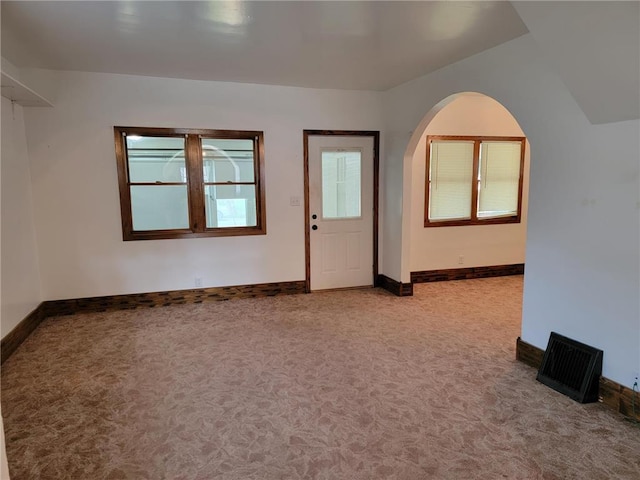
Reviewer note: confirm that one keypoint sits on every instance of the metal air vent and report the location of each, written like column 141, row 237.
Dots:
column 571, row 368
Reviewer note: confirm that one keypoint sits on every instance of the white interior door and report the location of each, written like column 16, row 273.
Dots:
column 341, row 211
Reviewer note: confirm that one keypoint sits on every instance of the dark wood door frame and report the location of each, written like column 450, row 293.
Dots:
column 376, row 179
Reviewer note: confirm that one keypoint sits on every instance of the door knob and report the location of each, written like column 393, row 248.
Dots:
column 315, row 227
column 314, row 216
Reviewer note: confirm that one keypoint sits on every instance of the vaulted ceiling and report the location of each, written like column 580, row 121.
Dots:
column 347, row 45
column 593, row 46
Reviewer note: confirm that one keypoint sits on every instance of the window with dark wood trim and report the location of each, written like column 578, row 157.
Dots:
column 473, row 180
column 184, row 183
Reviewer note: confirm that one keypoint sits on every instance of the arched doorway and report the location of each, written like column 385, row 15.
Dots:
column 465, row 251
column 467, row 114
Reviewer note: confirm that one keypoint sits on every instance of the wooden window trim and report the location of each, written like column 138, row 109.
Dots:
column 195, row 183
column 474, row 220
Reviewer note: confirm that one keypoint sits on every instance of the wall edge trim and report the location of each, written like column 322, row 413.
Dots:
column 467, row 273
column 397, row 288
column 18, row 334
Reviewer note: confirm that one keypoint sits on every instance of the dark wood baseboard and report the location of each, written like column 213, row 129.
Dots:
column 612, row 394
column 527, row 353
column 393, row 286
column 52, row 308
column 467, row 273
column 174, row 297
column 406, row 289
column 20, row 332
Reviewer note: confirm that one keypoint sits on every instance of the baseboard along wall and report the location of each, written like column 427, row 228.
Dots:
column 467, row 273
column 397, row 288
column 444, row 275
column 53, row 308
column 612, row 394
column 21, row 331
column 174, row 297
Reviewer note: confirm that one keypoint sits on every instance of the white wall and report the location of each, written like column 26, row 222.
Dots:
column 480, row 245
column 76, row 192
column 20, row 286
column 583, row 260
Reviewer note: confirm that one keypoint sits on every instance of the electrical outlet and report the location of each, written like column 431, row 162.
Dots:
column 460, row 259
column 198, row 282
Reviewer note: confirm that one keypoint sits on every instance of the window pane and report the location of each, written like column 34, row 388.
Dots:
column 230, row 205
column 161, row 207
column 341, row 184
column 499, row 179
column 156, row 159
column 227, row 160
column 450, row 180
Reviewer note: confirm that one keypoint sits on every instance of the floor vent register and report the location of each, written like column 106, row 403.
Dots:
column 571, row 368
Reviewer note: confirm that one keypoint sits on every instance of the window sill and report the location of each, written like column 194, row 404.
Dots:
column 174, row 234
column 461, row 223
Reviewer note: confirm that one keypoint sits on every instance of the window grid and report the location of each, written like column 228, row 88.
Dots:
column 191, row 174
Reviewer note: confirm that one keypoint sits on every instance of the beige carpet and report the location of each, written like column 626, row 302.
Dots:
column 341, row 385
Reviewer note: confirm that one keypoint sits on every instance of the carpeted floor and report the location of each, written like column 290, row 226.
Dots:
column 339, row 385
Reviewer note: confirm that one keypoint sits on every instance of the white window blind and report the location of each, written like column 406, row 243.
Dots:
column 450, row 180
column 498, row 179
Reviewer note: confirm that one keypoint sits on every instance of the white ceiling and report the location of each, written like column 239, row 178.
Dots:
column 595, row 48
column 347, row 45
